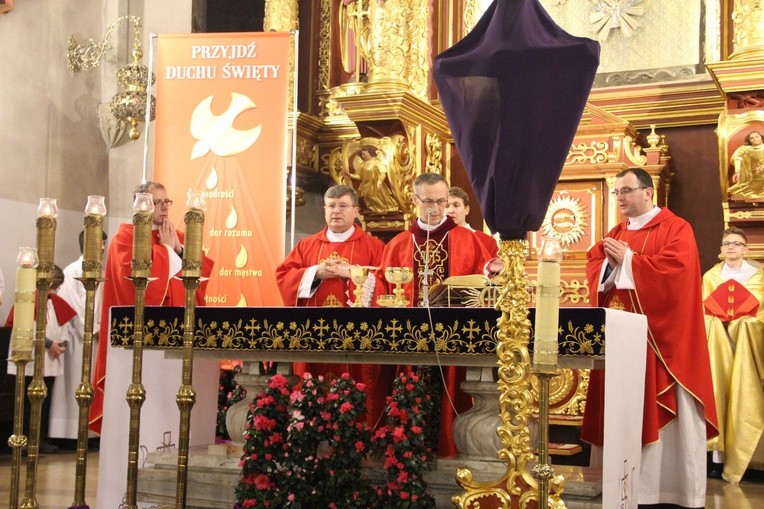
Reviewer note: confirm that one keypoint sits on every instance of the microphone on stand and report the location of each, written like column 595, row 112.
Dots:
column 426, row 271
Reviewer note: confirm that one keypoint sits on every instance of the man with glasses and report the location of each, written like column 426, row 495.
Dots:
column 109, row 414
column 162, row 290
column 317, row 273
column 733, row 293
column 649, row 264
column 437, row 248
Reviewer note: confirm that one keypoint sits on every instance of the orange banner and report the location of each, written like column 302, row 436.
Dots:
column 221, row 127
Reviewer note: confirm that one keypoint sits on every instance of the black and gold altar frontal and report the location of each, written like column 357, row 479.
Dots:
column 457, row 335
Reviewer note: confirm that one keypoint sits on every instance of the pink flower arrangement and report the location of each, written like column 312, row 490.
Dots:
column 305, row 446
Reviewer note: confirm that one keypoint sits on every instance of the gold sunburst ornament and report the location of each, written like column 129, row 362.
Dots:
column 566, row 219
column 607, row 15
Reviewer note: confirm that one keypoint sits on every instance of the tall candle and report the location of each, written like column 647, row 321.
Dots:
column 93, row 238
column 194, row 220
column 143, row 208
column 47, row 211
column 23, row 305
column 547, row 305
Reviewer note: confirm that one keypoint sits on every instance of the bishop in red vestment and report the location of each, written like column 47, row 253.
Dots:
column 436, row 243
column 649, row 265
column 316, row 273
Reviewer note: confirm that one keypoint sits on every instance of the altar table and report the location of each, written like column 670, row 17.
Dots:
column 425, row 336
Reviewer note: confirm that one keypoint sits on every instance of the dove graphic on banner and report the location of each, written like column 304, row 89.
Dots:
column 216, row 132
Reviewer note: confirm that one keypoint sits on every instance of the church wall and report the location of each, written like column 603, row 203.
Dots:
column 49, row 137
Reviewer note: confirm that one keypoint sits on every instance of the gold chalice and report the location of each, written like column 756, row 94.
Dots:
column 399, row 276
column 358, row 275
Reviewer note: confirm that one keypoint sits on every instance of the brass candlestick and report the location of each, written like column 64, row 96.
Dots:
column 358, row 276
column 186, row 397
column 46, row 239
column 136, row 394
column 23, row 327
column 95, row 210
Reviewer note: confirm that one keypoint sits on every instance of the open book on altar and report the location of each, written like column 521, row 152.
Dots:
column 471, row 290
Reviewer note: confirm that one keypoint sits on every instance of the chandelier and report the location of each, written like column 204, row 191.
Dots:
column 129, row 105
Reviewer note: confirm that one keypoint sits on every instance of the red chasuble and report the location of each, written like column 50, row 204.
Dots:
column 453, row 251
column 489, row 243
column 119, row 291
column 667, row 278
column 359, row 249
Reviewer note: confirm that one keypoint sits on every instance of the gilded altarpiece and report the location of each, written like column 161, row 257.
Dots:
column 379, row 128
column 741, row 125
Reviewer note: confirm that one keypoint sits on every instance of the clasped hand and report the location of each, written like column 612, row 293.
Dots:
column 329, row 269
column 615, row 249
column 169, row 236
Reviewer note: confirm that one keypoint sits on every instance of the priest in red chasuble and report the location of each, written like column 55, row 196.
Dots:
column 110, row 414
column 317, row 273
column 162, row 290
column 649, row 264
column 733, row 300
column 437, row 247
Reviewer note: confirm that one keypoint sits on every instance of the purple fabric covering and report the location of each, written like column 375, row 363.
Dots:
column 513, row 91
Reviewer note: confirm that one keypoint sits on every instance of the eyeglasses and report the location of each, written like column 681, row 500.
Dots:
column 442, row 202
column 159, row 203
column 339, row 206
column 733, row 244
column 625, row 191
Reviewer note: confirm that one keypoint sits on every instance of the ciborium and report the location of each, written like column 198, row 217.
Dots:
column 399, row 276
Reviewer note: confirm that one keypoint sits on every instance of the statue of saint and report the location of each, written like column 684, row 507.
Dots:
column 748, row 160
column 374, row 188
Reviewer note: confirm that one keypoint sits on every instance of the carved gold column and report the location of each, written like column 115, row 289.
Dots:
column 399, row 43
column 517, row 488
column 748, row 29
column 282, row 16
column 46, row 239
column 470, row 15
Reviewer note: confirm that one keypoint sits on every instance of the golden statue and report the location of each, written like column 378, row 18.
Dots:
column 748, row 160
column 354, row 17
column 383, row 170
column 374, row 188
